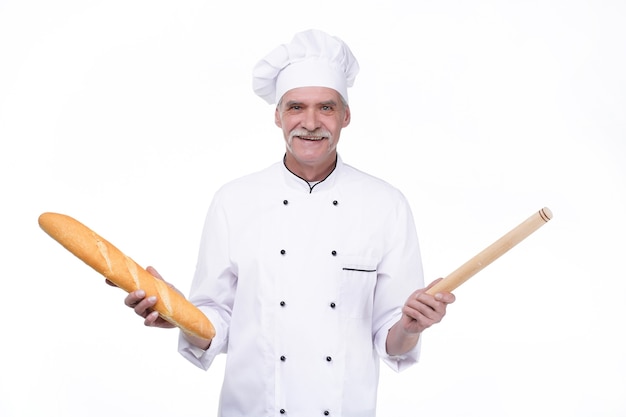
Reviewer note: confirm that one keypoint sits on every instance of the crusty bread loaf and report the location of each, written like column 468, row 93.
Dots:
column 125, row 273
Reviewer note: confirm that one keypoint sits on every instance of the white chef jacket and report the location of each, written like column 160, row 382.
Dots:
column 302, row 285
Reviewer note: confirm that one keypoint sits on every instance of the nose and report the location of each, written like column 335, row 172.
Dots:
column 310, row 120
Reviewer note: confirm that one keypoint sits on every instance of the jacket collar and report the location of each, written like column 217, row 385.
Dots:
column 299, row 183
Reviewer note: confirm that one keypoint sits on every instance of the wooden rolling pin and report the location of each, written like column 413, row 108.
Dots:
column 492, row 252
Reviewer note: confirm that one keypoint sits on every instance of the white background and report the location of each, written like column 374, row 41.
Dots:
column 127, row 115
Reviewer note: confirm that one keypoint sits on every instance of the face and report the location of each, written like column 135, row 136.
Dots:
column 311, row 119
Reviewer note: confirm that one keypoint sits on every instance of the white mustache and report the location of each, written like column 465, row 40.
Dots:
column 315, row 134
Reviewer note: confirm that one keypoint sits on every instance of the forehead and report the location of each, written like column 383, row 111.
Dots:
column 311, row 95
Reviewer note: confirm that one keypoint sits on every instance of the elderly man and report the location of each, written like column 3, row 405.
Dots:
column 309, row 270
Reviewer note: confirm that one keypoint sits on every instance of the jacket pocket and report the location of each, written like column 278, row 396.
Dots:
column 358, row 282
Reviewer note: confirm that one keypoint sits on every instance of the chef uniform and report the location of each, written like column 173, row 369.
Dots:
column 302, row 282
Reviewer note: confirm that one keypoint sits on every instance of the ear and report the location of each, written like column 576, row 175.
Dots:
column 277, row 120
column 346, row 117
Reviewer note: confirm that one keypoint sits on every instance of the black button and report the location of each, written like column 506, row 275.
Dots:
column 334, row 253
column 282, row 358
column 282, row 252
column 282, row 303
column 335, row 202
column 328, row 359
column 333, row 305
column 285, row 202
column 326, row 413
column 282, row 411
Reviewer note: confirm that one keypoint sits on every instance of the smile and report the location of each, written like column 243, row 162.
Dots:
column 312, row 138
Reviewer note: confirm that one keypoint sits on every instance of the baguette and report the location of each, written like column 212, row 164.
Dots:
column 121, row 270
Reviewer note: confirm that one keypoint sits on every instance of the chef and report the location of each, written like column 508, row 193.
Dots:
column 309, row 270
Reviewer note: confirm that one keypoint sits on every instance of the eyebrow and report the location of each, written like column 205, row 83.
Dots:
column 300, row 103
column 292, row 103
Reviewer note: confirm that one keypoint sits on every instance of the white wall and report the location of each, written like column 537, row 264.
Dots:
column 129, row 114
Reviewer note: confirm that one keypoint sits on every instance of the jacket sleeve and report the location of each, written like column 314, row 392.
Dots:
column 400, row 273
column 213, row 286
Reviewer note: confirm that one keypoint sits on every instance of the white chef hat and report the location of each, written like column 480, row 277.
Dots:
column 312, row 59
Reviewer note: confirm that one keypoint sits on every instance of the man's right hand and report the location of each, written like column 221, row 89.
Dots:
column 142, row 305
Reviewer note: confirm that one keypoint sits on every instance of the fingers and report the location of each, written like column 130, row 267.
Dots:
column 138, row 301
column 154, row 273
column 151, row 318
column 423, row 310
column 144, row 305
column 133, row 298
column 426, row 306
column 445, row 297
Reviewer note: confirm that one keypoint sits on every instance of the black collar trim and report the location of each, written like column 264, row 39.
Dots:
column 307, row 182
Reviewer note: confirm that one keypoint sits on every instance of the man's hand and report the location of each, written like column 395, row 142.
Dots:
column 142, row 305
column 421, row 310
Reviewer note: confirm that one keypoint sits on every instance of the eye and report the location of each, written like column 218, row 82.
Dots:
column 327, row 108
